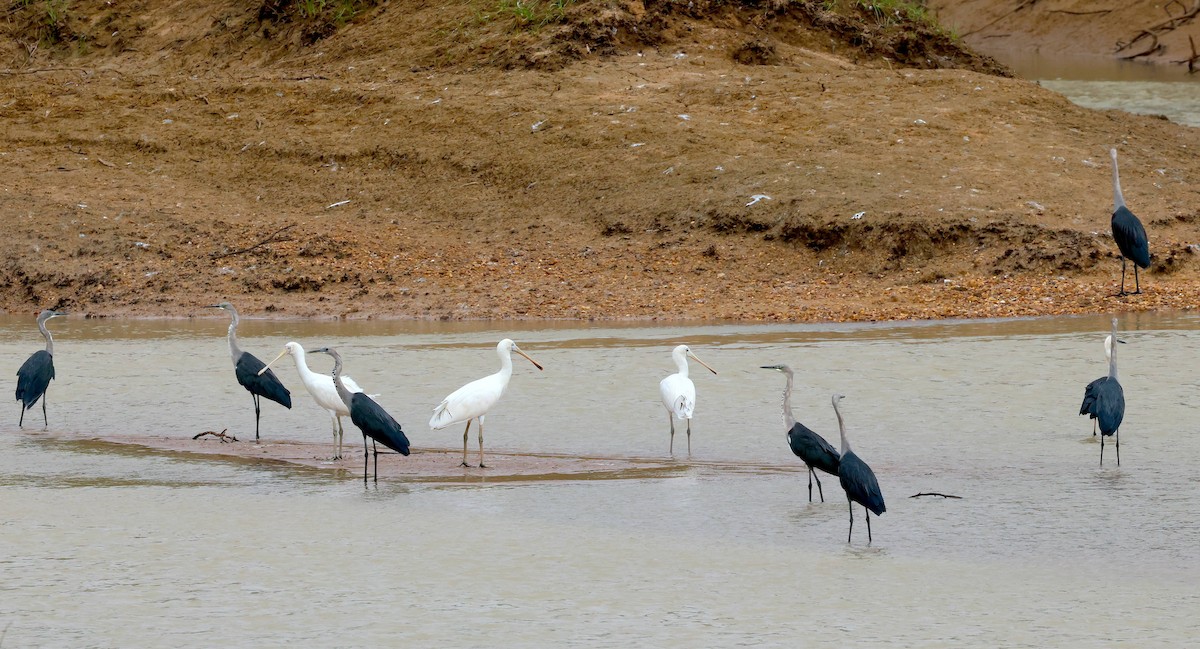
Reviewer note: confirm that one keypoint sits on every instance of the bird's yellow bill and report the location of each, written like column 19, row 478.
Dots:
column 695, row 358
column 535, row 363
column 268, row 365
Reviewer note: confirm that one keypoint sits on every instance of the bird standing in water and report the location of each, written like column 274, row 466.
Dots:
column 33, row 379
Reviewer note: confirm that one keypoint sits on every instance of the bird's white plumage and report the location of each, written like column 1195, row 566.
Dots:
column 321, row 387
column 679, row 393
column 677, row 390
column 473, row 400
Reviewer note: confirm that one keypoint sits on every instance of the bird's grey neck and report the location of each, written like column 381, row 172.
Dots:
column 788, row 419
column 49, row 338
column 1118, row 198
column 841, row 429
column 343, row 393
column 1112, row 358
column 234, row 351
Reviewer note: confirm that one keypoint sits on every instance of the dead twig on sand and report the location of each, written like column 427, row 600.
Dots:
column 1152, row 32
column 934, row 493
column 221, row 436
column 1193, row 59
column 272, row 238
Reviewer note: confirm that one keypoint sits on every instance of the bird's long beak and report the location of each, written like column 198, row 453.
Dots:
column 704, row 364
column 535, row 363
column 268, row 365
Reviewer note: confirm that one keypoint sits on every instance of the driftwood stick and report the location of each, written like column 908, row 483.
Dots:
column 272, row 238
column 934, row 493
column 221, row 435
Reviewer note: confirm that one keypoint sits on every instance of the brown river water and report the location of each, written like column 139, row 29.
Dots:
column 105, row 545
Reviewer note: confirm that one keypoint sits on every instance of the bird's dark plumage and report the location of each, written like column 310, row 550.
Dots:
column 34, row 377
column 1108, row 405
column 813, row 449
column 860, row 484
column 264, row 385
column 375, row 422
column 1130, row 236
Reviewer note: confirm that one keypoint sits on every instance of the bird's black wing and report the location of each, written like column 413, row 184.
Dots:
column 265, row 385
column 34, row 377
column 813, row 449
column 1110, row 406
column 372, row 419
column 860, row 484
column 1130, row 236
column 1088, row 407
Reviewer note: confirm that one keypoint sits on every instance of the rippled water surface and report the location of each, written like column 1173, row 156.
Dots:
column 107, row 546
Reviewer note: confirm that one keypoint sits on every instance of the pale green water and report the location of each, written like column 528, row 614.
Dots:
column 105, row 547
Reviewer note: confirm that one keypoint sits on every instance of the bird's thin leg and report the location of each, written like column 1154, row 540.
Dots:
column 689, row 436
column 44, row 419
column 810, row 477
column 1118, row 447
column 671, row 446
column 1122, row 291
column 375, row 452
column 256, row 415
column 1137, row 285
column 365, row 459
column 341, row 435
column 814, row 474
column 867, row 513
column 850, row 534
column 480, row 435
column 21, row 423
column 1102, row 450
column 465, row 431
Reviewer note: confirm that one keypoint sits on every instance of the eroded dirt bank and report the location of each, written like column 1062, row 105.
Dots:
column 416, row 163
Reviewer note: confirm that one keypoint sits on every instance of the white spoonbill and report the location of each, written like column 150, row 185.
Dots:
column 323, row 391
column 473, row 400
column 679, row 393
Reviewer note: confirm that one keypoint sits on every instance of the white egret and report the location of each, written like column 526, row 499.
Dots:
column 679, row 393
column 323, row 391
column 473, row 400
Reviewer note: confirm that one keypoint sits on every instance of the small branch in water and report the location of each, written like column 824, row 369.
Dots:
column 272, row 238
column 221, row 435
column 934, row 493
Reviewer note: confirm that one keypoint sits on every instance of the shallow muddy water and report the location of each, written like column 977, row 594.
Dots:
column 104, row 545
column 1106, row 84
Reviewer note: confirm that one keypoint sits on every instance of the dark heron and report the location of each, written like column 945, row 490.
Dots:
column 323, row 391
column 1128, row 232
column 1089, row 392
column 473, row 400
column 1107, row 401
column 248, row 369
column 37, row 371
column 679, row 393
column 857, row 479
column 806, row 444
column 370, row 417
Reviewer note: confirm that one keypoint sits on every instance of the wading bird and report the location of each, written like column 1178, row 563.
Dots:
column 857, row 479
column 1108, row 401
column 473, row 400
column 1128, row 232
column 248, row 369
column 37, row 371
column 806, row 444
column 1089, row 392
column 370, row 417
column 323, row 391
column 679, row 393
